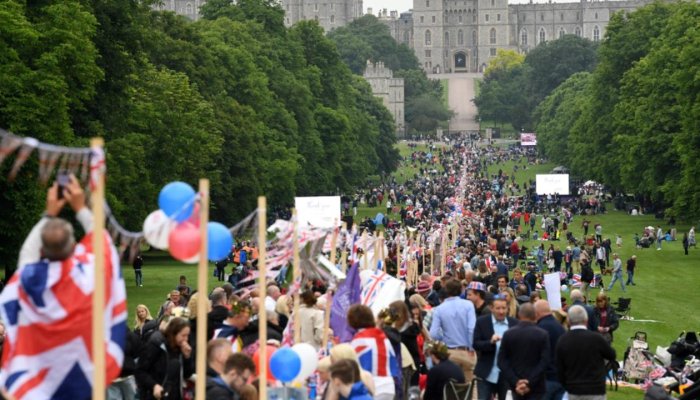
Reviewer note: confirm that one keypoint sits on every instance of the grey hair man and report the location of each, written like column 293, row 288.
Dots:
column 577, row 299
column 580, row 358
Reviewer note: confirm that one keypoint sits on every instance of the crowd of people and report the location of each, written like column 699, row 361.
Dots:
column 477, row 317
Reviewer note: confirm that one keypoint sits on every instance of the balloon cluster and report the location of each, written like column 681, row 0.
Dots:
column 175, row 226
column 294, row 364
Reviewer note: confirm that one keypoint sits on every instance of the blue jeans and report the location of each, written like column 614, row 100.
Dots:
column 555, row 391
column 139, row 277
column 617, row 276
column 630, row 277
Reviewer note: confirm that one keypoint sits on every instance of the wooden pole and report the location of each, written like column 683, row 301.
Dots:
column 297, row 277
column 381, row 251
column 365, row 248
column 262, row 271
column 99, row 384
column 344, row 252
column 375, row 256
column 202, row 292
column 329, row 297
column 398, row 256
column 443, row 252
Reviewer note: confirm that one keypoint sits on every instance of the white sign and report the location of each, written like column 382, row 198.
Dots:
column 552, row 285
column 552, row 184
column 321, row 212
column 528, row 139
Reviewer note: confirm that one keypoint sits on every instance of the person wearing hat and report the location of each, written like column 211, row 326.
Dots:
column 443, row 371
column 476, row 293
column 487, row 341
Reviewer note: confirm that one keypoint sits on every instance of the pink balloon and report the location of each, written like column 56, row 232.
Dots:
column 184, row 241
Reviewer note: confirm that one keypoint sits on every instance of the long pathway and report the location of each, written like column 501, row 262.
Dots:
column 461, row 93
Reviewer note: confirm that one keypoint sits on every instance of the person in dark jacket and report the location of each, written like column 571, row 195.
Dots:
column 546, row 321
column 138, row 264
column 524, row 356
column 165, row 362
column 580, row 358
column 443, row 371
column 218, row 313
column 577, row 299
column 488, row 332
column 237, row 371
column 605, row 317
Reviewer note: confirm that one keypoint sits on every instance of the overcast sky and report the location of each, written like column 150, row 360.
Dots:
column 405, row 5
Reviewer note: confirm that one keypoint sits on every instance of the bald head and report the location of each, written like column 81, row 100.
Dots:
column 57, row 240
column 527, row 313
column 542, row 309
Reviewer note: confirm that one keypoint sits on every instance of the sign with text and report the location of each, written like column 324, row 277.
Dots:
column 321, row 211
column 528, row 139
column 552, row 286
column 552, row 184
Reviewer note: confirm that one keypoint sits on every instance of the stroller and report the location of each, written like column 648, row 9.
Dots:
column 639, row 362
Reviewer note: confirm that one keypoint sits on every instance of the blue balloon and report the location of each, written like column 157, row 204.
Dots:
column 174, row 198
column 285, row 364
column 219, row 241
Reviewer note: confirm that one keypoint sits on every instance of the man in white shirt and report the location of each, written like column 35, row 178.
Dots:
column 273, row 293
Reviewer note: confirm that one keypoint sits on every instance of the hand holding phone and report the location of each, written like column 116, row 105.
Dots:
column 63, row 179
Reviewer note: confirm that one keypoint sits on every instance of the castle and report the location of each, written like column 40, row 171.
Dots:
column 457, row 35
column 389, row 89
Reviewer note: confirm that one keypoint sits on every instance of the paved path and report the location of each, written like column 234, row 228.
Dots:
column 460, row 96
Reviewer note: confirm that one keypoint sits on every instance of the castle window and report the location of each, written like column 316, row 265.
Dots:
column 460, row 18
column 492, row 36
column 578, row 16
column 596, row 15
column 492, row 51
column 474, row 38
column 577, row 32
column 493, row 3
column 542, row 17
column 421, row 19
column 543, row 35
column 460, row 37
column 428, row 38
column 332, row 19
column 486, row 17
column 316, row 7
column 433, row 19
column 405, row 37
column 523, row 37
column 188, row 9
column 447, row 38
column 498, row 17
column 428, row 54
column 561, row 17
column 562, row 32
column 474, row 18
column 596, row 34
column 332, row 6
column 427, row 3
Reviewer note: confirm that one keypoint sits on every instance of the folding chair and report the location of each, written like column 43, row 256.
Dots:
column 623, row 307
column 458, row 391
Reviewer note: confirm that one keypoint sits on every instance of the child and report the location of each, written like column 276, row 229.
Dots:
column 618, row 241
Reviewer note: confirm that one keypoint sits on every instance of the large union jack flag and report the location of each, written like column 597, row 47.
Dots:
column 375, row 353
column 47, row 309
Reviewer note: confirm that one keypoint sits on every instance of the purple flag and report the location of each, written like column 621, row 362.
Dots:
column 347, row 295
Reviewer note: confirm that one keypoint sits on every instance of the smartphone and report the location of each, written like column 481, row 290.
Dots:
column 63, row 179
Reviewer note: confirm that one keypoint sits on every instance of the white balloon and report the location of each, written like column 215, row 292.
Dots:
column 157, row 228
column 309, row 360
column 193, row 260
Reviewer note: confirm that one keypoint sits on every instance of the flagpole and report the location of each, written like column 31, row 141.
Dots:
column 262, row 271
column 344, row 252
column 398, row 256
column 296, row 277
column 202, row 291
column 329, row 297
column 99, row 384
column 365, row 248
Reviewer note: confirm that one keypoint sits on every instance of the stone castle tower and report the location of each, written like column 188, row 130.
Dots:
column 390, row 90
column 330, row 14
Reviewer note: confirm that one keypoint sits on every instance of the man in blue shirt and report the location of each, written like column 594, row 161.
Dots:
column 488, row 332
column 453, row 323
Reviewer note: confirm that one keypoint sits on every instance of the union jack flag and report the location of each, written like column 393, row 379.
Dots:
column 375, row 284
column 47, row 309
column 375, row 353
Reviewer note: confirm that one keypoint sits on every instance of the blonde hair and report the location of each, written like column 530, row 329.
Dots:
column 513, row 304
column 281, row 307
column 343, row 351
column 324, row 364
column 418, row 300
column 138, row 323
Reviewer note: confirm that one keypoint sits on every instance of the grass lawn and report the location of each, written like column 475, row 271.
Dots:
column 445, row 93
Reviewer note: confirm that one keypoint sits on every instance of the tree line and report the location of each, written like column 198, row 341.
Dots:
column 633, row 121
column 235, row 97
